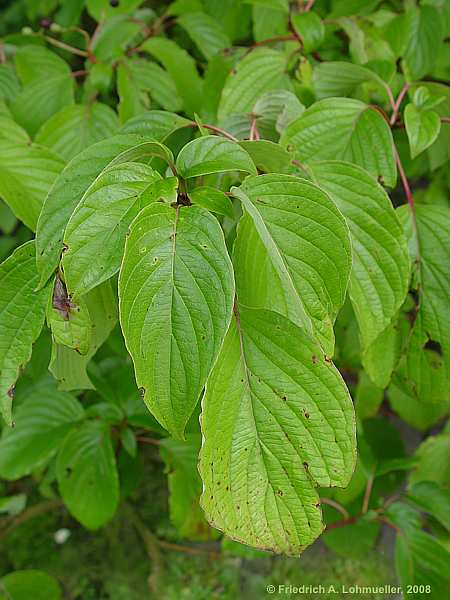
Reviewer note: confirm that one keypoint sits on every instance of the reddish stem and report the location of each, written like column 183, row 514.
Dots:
column 309, row 5
column 216, row 130
column 398, row 102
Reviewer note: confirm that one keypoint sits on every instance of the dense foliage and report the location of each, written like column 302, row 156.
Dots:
column 225, row 244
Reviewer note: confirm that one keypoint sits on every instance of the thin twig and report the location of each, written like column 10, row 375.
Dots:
column 146, row 440
column 343, row 523
column 336, row 506
column 28, row 514
column 309, row 5
column 272, row 40
column 398, row 102
column 188, row 550
column 367, row 493
column 151, row 544
column 66, row 47
column 445, row 119
column 80, row 73
column 216, row 130
column 254, row 132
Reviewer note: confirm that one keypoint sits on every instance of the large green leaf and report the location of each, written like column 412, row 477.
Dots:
column 267, row 156
column 95, row 234
column 74, row 128
column 338, row 78
column 434, row 459
column 412, row 410
column 277, row 421
column 22, row 585
column 380, row 271
column 103, row 9
column 68, row 190
column 205, row 32
column 424, row 38
column 185, row 487
column 69, row 366
column 22, row 313
column 69, row 322
column 9, row 84
column 292, row 252
column 27, row 172
column 421, row 560
column 422, row 128
column 176, row 293
column 310, row 29
column 425, row 369
column 155, row 124
column 47, row 86
column 344, row 129
column 181, row 67
column 87, row 474
column 213, row 154
column 259, row 71
column 433, row 499
column 42, row 422
column 137, row 77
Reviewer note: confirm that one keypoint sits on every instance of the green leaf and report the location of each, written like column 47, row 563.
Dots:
column 292, row 253
column 113, row 38
column 338, row 78
column 42, row 422
column 11, row 131
column 94, row 239
column 150, row 77
column 439, row 152
column 102, row 9
column 213, row 200
column 69, row 323
column 67, row 365
column 432, row 499
column 420, row 559
column 281, row 5
column 87, row 475
column 181, row 67
column 368, row 397
column 412, row 410
column 310, row 29
column 27, row 172
column 434, row 460
column 76, row 127
column 380, row 271
column 176, row 293
column 344, row 129
column 13, row 505
column 47, row 87
column 424, row 40
column 353, row 541
column 267, row 441
column 425, row 369
column 212, row 154
column 422, row 128
column 185, row 487
column 267, row 156
column 128, row 441
column 68, row 190
column 23, row 585
column 205, row 32
column 9, row 84
column 275, row 110
column 155, row 124
column 22, row 313
column 261, row 70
